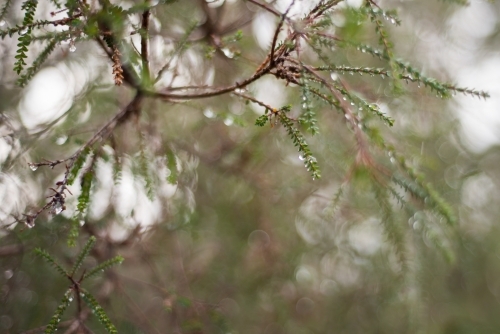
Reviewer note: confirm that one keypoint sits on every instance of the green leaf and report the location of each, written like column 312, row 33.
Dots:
column 98, row 312
column 77, row 166
column 103, row 266
column 56, row 318
column 261, row 120
column 83, row 254
column 47, row 257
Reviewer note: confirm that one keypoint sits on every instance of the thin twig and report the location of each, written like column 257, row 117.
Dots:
column 277, row 31
column 144, row 46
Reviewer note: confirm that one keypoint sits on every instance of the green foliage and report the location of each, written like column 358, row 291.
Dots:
column 308, row 116
column 5, row 9
column 56, row 318
column 299, row 141
column 392, row 228
column 77, row 166
column 98, row 311
column 83, row 254
column 84, row 198
column 223, row 212
column 172, row 166
column 47, row 257
column 104, row 266
column 24, row 40
column 76, row 288
column 74, row 231
column 376, row 17
column 42, row 57
column 145, row 170
column 262, row 120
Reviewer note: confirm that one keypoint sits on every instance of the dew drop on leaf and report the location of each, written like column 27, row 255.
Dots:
column 72, row 48
column 33, row 167
column 2, row 23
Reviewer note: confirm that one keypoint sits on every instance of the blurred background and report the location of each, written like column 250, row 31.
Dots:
column 233, row 235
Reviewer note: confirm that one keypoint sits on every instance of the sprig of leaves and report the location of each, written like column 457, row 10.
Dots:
column 76, row 289
column 299, row 141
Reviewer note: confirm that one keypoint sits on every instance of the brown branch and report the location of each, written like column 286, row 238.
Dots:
column 58, row 198
column 264, row 6
column 254, row 100
column 277, row 31
column 144, row 46
column 215, row 91
column 10, row 250
column 128, row 73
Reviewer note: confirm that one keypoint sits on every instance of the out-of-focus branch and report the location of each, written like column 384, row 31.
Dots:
column 144, row 46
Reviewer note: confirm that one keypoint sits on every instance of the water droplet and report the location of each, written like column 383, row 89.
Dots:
column 61, row 140
column 393, row 160
column 304, row 105
column 70, row 299
column 393, row 21
column 209, row 113
column 352, row 103
column 301, row 157
column 363, row 50
column 334, row 76
column 227, row 52
column 229, row 121
column 8, row 274
column 72, row 48
column 30, row 222
column 344, row 98
column 33, row 167
column 2, row 23
column 23, row 32
column 82, row 222
column 57, row 208
column 417, row 225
